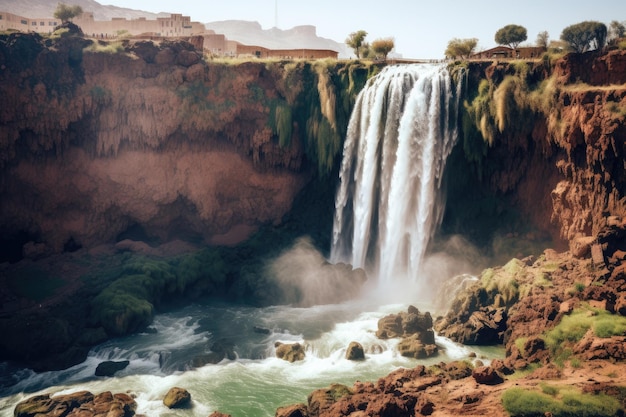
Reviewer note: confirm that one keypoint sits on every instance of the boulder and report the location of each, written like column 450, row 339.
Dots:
column 177, row 398
column 296, row 410
column 580, row 247
column 501, row 367
column 417, row 322
column 404, row 324
column 389, row 327
column 290, row 352
column 109, row 368
column 457, row 370
column 591, row 347
column 483, row 327
column 535, row 350
column 321, row 400
column 546, row 372
column 218, row 414
column 414, row 347
column 487, row 375
column 355, row 352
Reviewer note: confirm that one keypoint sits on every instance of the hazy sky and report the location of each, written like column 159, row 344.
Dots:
column 421, row 29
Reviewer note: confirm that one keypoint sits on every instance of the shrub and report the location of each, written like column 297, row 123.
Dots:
column 128, row 300
column 106, row 47
column 608, row 325
column 121, row 313
column 503, row 281
column 60, row 33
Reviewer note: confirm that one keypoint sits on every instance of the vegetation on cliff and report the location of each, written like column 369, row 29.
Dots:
column 315, row 102
column 558, row 120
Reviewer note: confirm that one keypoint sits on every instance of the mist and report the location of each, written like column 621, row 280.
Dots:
column 307, row 279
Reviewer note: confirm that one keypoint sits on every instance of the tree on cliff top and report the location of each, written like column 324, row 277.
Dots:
column 543, row 39
column 616, row 30
column 585, row 36
column 460, row 48
column 67, row 13
column 356, row 40
column 382, row 47
column 511, row 35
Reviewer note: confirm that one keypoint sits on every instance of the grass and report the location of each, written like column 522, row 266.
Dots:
column 106, row 47
column 520, row 343
column 573, row 328
column 503, row 281
column 523, row 373
column 520, row 402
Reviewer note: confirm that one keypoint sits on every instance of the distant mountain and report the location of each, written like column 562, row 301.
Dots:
column 246, row 32
column 46, row 8
column 251, row 33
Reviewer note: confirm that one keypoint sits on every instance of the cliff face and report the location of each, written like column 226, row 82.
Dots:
column 550, row 138
column 98, row 139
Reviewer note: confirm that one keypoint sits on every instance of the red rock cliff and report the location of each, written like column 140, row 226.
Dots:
column 98, row 138
column 556, row 138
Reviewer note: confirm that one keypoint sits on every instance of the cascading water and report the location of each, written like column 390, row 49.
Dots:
column 389, row 204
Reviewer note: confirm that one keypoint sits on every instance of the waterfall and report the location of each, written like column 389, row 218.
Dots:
column 389, row 201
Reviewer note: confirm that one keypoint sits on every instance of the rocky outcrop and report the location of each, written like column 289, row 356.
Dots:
column 592, row 68
column 415, row 329
column 537, row 296
column 81, row 403
column 404, row 392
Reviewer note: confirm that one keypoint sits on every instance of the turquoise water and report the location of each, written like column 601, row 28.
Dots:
column 253, row 384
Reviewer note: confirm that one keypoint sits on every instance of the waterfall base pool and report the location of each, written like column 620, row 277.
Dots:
column 256, row 383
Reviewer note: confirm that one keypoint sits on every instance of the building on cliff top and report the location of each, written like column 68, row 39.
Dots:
column 174, row 26
column 10, row 21
column 504, row 52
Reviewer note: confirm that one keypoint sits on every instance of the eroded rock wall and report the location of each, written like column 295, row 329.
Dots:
column 550, row 138
column 98, row 138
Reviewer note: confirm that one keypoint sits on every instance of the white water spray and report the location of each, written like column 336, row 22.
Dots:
column 389, row 204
